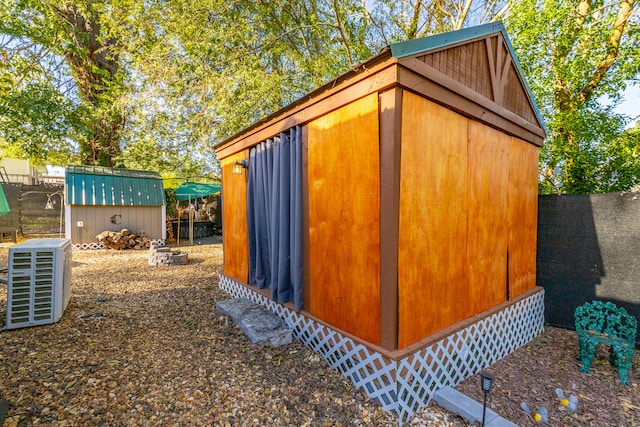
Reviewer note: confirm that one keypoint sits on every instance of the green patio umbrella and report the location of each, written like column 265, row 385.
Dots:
column 191, row 190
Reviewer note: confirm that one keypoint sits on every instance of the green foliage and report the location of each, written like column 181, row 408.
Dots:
column 236, row 62
column 34, row 119
column 156, row 84
column 61, row 82
column 620, row 169
column 34, row 113
column 576, row 53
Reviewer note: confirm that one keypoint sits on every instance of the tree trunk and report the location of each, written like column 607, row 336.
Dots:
column 95, row 65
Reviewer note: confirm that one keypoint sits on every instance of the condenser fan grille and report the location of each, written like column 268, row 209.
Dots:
column 32, row 288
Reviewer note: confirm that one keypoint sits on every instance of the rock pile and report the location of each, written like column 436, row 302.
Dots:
column 160, row 255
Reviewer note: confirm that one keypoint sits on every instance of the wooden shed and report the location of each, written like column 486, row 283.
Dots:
column 101, row 199
column 405, row 192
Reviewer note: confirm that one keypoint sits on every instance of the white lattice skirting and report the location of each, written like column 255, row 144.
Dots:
column 404, row 386
column 96, row 246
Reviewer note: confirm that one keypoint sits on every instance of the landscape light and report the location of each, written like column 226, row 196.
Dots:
column 486, row 383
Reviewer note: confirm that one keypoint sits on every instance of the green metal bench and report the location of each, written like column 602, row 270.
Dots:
column 604, row 322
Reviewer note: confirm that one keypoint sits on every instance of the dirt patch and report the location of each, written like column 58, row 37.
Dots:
column 533, row 372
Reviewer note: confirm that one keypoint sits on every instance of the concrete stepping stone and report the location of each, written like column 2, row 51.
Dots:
column 260, row 325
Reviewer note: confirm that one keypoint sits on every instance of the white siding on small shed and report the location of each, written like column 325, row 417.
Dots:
column 97, row 219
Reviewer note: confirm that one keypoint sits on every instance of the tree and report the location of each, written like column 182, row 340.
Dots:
column 235, row 62
column 46, row 43
column 93, row 59
column 71, row 73
column 575, row 53
column 187, row 75
column 35, row 114
column 409, row 19
column 620, row 168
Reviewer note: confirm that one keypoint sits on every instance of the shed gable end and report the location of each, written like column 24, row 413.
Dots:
column 486, row 67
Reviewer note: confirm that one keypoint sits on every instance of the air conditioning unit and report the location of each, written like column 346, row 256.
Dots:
column 39, row 282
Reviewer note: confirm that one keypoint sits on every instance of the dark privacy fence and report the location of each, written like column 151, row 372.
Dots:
column 28, row 214
column 588, row 249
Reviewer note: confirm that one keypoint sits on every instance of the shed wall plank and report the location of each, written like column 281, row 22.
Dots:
column 522, row 216
column 488, row 174
column 97, row 219
column 432, row 271
column 516, row 98
column 467, row 64
column 344, row 218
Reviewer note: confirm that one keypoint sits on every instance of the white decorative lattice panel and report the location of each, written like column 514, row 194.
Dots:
column 406, row 385
column 88, row 246
column 97, row 246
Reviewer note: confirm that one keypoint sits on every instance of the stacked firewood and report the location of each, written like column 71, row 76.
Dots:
column 124, row 239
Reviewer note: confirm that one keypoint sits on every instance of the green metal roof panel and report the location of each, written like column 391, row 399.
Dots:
column 101, row 186
column 426, row 44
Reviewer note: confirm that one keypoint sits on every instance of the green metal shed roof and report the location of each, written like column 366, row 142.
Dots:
column 102, row 186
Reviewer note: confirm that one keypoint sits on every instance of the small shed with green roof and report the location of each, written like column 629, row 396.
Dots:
column 101, row 199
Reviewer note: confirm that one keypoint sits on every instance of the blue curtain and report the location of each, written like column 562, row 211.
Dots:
column 274, row 213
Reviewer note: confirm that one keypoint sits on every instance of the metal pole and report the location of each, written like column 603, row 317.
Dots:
column 179, row 213
column 190, row 221
column 61, row 204
column 484, row 408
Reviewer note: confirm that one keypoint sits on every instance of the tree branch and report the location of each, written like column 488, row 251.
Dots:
column 459, row 21
column 582, row 11
column 282, row 28
column 561, row 92
column 444, row 12
column 413, row 24
column 343, row 36
column 613, row 46
column 375, row 24
column 502, row 12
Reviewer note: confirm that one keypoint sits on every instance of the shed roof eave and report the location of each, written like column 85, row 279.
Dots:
column 394, row 54
column 383, row 55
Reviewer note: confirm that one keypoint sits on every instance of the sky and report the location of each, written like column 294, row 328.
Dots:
column 630, row 104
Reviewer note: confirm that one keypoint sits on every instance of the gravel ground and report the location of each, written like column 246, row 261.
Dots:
column 142, row 346
column 532, row 373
